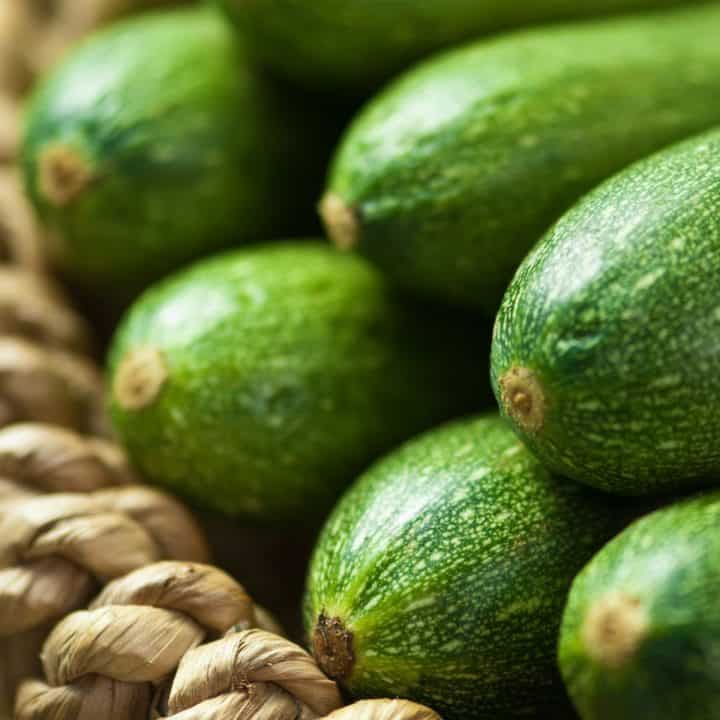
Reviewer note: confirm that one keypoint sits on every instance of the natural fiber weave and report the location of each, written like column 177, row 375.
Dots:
column 54, row 548
column 32, row 307
column 20, row 236
column 9, row 128
column 37, row 458
column 384, row 710
column 250, row 675
column 57, row 547
column 15, row 26
column 120, row 652
column 50, row 386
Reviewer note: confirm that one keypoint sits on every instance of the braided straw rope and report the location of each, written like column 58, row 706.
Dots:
column 50, row 386
column 15, row 77
column 251, row 675
column 20, row 236
column 384, row 710
column 44, row 374
column 32, row 307
column 94, row 524
column 37, row 458
column 10, row 115
column 146, row 627
column 119, row 654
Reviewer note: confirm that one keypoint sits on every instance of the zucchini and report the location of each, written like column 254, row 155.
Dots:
column 442, row 574
column 448, row 178
column 156, row 141
column 605, row 355
column 641, row 630
column 260, row 382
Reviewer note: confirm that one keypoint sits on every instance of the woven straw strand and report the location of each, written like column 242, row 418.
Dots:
column 248, row 675
column 56, row 547
column 384, row 710
column 131, row 639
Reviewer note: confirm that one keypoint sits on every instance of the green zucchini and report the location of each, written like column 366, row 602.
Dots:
column 156, row 141
column 442, row 574
column 260, row 382
column 641, row 631
column 606, row 356
column 351, row 46
column 448, row 178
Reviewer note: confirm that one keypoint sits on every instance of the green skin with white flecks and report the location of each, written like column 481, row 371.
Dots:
column 457, row 169
column 350, row 46
column 290, row 367
column 668, row 563
column 617, row 314
column 190, row 149
column 449, row 562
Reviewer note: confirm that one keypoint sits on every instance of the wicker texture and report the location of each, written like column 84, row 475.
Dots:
column 120, row 653
column 71, row 518
column 251, row 675
column 384, row 710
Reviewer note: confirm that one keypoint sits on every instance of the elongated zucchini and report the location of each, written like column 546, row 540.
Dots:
column 606, row 352
column 448, row 178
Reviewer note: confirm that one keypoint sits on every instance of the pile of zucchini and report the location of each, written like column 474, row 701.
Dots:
column 540, row 204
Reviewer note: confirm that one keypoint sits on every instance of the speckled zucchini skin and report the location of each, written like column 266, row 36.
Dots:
column 189, row 150
column 290, row 367
column 449, row 562
column 617, row 314
column 667, row 564
column 352, row 45
column 456, row 170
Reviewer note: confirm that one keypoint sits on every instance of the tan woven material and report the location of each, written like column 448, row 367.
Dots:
column 9, row 127
column 32, row 307
column 15, row 28
column 91, row 698
column 130, row 640
column 249, row 675
column 20, row 236
column 38, row 458
column 16, row 664
column 56, row 547
column 384, row 710
column 49, row 386
column 257, row 702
